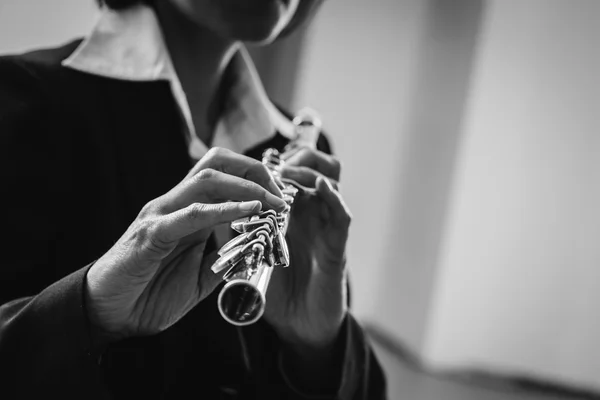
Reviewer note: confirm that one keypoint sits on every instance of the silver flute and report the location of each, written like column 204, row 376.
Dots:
column 251, row 257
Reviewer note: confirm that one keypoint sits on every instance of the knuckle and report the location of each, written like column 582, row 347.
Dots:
column 149, row 209
column 196, row 168
column 202, row 214
column 147, row 228
column 156, row 246
column 206, row 174
column 260, row 167
column 148, row 234
column 258, row 170
column 196, row 211
column 219, row 208
column 211, row 153
column 253, row 191
column 216, row 152
column 252, row 187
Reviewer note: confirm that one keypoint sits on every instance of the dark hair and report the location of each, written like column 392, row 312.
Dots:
column 122, row 4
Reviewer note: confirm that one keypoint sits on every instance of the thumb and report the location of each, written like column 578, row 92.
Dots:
column 198, row 216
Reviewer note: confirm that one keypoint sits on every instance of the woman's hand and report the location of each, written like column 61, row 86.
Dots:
column 307, row 302
column 155, row 272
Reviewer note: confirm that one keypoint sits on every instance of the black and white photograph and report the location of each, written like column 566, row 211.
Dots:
column 300, row 199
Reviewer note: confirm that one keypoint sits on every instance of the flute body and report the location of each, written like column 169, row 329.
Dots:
column 251, row 257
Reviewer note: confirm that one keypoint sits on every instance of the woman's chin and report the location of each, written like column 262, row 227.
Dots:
column 257, row 32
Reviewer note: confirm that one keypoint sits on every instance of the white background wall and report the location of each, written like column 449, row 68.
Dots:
column 26, row 24
column 519, row 282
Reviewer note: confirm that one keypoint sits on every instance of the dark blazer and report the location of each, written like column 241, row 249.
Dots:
column 79, row 157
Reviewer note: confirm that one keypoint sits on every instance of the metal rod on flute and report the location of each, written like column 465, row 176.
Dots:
column 260, row 247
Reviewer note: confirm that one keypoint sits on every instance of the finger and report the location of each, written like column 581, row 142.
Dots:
column 290, row 151
column 212, row 186
column 198, row 216
column 304, row 175
column 324, row 163
column 232, row 163
column 338, row 210
column 301, row 174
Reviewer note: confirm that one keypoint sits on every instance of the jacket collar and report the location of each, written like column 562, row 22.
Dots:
column 129, row 45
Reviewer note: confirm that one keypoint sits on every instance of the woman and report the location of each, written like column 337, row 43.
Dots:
column 112, row 134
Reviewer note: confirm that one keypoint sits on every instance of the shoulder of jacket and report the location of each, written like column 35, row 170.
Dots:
column 34, row 66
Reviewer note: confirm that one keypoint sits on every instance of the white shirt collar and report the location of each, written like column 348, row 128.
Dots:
column 129, row 45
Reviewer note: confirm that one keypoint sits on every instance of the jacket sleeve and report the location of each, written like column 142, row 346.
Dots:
column 45, row 343
column 361, row 376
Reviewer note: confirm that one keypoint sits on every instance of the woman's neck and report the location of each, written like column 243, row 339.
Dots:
column 200, row 58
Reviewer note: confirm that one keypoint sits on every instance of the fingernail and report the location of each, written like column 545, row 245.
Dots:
column 277, row 203
column 275, row 189
column 280, row 206
column 248, row 206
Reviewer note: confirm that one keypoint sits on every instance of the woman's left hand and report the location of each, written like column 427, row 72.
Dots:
column 307, row 301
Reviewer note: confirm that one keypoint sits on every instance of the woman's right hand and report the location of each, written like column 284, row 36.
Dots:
column 155, row 272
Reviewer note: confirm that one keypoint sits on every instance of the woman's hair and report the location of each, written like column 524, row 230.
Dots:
column 122, row 4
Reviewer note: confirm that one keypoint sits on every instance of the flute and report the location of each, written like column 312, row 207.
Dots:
column 260, row 247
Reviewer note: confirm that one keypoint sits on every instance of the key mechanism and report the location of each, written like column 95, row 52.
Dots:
column 250, row 258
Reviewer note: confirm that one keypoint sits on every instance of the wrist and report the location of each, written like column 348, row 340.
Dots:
column 100, row 337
